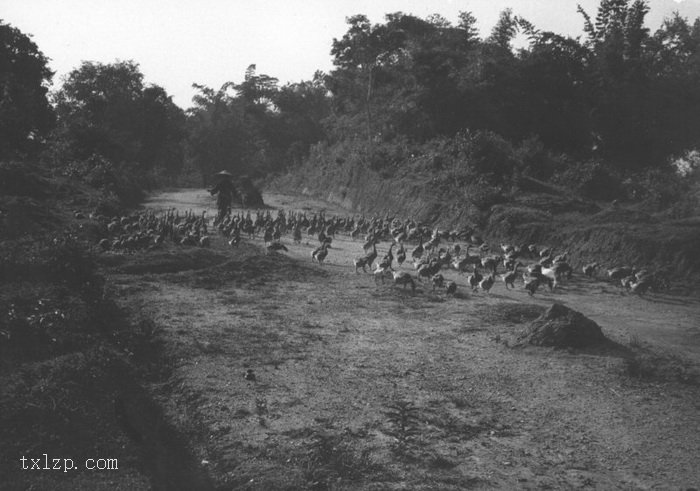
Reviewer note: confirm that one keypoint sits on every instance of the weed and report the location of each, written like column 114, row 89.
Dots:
column 641, row 366
column 241, row 413
column 634, row 341
column 452, row 426
column 687, row 376
column 68, row 262
column 441, row 462
column 663, row 368
column 404, row 420
column 261, row 410
column 140, row 340
column 461, row 402
column 332, row 458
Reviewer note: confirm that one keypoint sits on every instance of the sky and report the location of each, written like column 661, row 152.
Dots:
column 210, row 42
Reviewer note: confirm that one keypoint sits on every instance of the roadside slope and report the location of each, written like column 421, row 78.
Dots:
column 542, row 214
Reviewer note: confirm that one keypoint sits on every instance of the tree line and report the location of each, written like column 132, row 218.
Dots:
column 620, row 95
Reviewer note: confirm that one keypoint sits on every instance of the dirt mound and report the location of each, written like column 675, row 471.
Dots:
column 509, row 313
column 562, row 327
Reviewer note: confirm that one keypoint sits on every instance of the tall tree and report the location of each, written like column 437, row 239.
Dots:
column 359, row 53
column 467, row 23
column 25, row 113
column 553, row 76
column 297, row 123
column 254, row 127
column 105, row 109
column 675, row 85
column 505, row 30
column 620, row 93
column 217, row 137
column 162, row 129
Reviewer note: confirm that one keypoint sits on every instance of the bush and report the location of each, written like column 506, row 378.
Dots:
column 125, row 181
column 592, row 180
column 386, row 157
column 488, row 155
column 108, row 206
column 483, row 196
column 535, row 161
column 68, row 262
column 656, row 188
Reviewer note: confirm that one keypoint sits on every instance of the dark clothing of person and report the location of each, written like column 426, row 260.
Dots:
column 225, row 190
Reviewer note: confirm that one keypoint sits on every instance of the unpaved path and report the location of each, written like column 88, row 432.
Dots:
column 361, row 386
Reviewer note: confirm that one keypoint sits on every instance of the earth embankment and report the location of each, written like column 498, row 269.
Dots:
column 611, row 234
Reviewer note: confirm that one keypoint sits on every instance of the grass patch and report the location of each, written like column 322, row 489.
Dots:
column 647, row 366
column 333, row 459
column 441, row 462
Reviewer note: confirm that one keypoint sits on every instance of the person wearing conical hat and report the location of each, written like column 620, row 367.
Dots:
column 225, row 190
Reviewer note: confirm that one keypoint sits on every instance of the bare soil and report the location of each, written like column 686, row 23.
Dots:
column 357, row 385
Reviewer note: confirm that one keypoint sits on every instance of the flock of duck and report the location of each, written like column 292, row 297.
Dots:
column 436, row 250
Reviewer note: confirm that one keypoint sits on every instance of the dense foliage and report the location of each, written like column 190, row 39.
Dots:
column 25, row 114
column 621, row 94
column 255, row 127
column 106, row 110
column 619, row 101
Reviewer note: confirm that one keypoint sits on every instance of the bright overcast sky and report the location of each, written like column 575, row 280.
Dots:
column 210, row 42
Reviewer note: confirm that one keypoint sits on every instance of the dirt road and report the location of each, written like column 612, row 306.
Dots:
column 291, row 375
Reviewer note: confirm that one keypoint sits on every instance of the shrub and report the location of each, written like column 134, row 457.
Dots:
column 536, row 161
column 591, row 179
column 107, row 205
column 21, row 179
column 488, row 155
column 125, row 180
column 51, row 322
column 332, row 459
column 386, row 157
column 483, row 196
column 68, row 262
column 656, row 188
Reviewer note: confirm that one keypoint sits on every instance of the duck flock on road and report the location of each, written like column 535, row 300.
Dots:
column 432, row 251
column 415, row 252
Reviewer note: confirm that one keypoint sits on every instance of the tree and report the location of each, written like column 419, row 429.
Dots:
column 553, row 75
column 216, row 131
column 257, row 91
column 162, row 129
column 106, row 109
column 404, row 75
column 254, row 127
column 297, row 123
column 467, row 23
column 674, row 51
column 620, row 84
column 360, row 52
column 505, row 30
column 25, row 113
column 98, row 110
